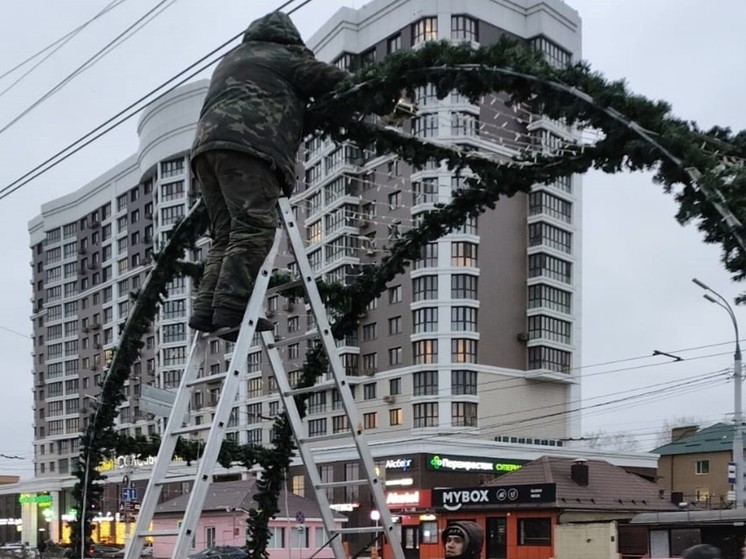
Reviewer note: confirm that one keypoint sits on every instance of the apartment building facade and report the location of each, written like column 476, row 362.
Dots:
column 479, row 340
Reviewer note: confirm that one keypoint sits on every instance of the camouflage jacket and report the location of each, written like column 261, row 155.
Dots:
column 258, row 93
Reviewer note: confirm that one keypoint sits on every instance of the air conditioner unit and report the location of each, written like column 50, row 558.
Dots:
column 370, row 372
column 522, row 337
column 370, row 252
column 390, row 399
column 363, row 224
column 288, row 306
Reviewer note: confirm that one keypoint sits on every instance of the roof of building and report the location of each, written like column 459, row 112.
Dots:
column 239, row 495
column 609, row 488
column 715, row 438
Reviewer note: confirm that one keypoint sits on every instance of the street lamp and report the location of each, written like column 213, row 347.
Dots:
column 737, row 381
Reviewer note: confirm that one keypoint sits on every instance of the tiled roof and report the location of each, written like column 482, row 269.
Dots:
column 609, row 487
column 715, row 438
column 229, row 495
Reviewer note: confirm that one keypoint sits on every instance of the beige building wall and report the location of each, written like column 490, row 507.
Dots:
column 685, row 473
column 586, row 541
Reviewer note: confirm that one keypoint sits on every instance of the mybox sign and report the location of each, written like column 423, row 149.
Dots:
column 446, row 463
column 481, row 497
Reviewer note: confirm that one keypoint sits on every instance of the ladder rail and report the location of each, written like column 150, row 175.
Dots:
column 225, row 405
column 296, row 423
column 329, row 343
column 133, row 547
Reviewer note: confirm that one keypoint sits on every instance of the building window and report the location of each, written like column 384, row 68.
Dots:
column 425, row 320
column 370, row 420
column 298, row 485
column 352, row 473
column 425, row 191
column 425, row 415
column 535, row 531
column 542, row 202
column 370, row 331
column 395, row 356
column 425, row 29
column 425, row 383
column 464, row 319
column 394, row 325
column 463, row 286
column 276, row 537
column 425, row 287
column 702, row 467
column 317, row 427
column 464, row 124
column 425, row 126
column 464, row 255
column 545, row 296
column 463, row 382
column 396, row 416
column 544, row 265
column 552, row 359
column 395, row 386
column 464, row 28
column 553, row 53
column 463, row 351
column 369, row 391
column 395, row 294
column 549, row 328
column 425, row 352
column 464, row 414
column 428, row 257
column 172, row 167
column 393, row 44
column 543, row 234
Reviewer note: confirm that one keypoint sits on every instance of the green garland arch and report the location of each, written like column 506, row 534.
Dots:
column 703, row 170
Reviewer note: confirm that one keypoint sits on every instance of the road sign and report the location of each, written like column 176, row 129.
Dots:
column 300, row 518
column 129, row 494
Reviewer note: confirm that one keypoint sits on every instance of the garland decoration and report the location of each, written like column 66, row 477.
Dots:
column 703, row 170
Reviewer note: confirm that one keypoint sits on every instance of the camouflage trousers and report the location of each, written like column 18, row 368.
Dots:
column 240, row 192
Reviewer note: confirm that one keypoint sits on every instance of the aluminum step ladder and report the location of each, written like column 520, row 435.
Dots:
column 202, row 478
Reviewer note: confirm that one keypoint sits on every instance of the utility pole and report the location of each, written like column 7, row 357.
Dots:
column 737, row 387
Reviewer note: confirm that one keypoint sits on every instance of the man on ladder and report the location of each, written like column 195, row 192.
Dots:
column 243, row 155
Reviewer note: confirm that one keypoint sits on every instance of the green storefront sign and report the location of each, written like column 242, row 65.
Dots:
column 450, row 463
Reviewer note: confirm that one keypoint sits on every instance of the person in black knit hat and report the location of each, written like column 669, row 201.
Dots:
column 463, row 540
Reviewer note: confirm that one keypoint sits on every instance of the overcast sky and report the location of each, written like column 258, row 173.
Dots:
column 637, row 261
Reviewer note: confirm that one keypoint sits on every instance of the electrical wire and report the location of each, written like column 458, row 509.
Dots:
column 61, row 41
column 88, row 63
column 107, row 126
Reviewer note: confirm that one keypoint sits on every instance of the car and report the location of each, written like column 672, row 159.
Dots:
column 106, row 551
column 221, row 552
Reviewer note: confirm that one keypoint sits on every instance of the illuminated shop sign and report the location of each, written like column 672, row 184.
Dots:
column 399, row 464
column 445, row 463
column 126, row 461
column 31, row 498
column 344, row 507
column 414, row 498
column 11, row 521
column 480, row 497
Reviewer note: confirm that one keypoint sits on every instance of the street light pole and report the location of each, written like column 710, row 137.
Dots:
column 737, row 386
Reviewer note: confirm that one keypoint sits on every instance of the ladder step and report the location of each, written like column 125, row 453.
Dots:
column 285, row 287
column 359, row 530
column 174, row 479
column 207, row 379
column 192, row 429
column 321, row 438
column 325, row 385
column 159, row 533
column 352, row 482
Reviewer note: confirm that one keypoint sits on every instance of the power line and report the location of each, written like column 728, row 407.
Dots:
column 87, row 64
column 61, row 41
column 102, row 129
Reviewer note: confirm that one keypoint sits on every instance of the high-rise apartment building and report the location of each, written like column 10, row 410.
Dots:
column 480, row 338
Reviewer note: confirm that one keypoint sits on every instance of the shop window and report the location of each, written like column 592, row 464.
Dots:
column 535, row 531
